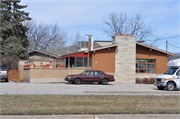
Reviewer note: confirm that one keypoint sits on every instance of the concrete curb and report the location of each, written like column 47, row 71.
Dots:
column 106, row 116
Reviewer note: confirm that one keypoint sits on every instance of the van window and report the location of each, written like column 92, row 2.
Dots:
column 177, row 73
column 171, row 71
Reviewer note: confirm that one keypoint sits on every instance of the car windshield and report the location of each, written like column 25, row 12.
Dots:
column 171, row 71
column 83, row 72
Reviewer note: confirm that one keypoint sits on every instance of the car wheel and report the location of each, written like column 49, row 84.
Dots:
column 104, row 81
column 77, row 81
column 160, row 88
column 170, row 86
column 6, row 80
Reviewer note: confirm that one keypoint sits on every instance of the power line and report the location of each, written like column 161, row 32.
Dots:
column 174, row 46
column 104, row 24
column 162, row 13
column 164, row 38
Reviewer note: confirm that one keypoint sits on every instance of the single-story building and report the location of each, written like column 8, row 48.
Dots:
column 123, row 57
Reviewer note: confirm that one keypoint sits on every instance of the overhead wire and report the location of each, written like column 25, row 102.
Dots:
column 174, row 46
column 164, row 38
column 102, row 24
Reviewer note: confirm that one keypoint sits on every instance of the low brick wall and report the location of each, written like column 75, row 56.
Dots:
column 36, row 75
column 26, row 74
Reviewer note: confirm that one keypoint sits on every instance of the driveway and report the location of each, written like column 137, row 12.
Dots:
column 11, row 88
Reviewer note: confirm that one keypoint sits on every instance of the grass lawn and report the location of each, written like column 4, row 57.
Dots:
column 87, row 104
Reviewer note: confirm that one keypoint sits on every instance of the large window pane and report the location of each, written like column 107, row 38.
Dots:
column 142, row 65
column 90, row 61
column 79, row 61
column 151, row 71
column 152, row 61
column 85, row 61
column 142, row 71
column 136, row 65
column 151, row 66
column 142, row 61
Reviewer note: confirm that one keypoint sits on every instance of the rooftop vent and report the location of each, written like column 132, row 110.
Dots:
column 82, row 44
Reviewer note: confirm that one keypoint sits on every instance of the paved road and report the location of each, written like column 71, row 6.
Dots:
column 11, row 88
column 108, row 116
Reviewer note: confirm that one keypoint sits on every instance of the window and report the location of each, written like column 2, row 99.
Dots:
column 89, row 73
column 145, row 66
column 177, row 73
column 171, row 71
column 97, row 73
column 82, row 61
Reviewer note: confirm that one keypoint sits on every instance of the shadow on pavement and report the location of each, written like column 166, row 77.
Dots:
column 177, row 89
column 87, row 83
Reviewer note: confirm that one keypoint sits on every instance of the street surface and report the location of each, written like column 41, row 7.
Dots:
column 12, row 88
column 106, row 116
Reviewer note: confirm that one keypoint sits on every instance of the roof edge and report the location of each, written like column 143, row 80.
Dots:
column 155, row 49
column 43, row 53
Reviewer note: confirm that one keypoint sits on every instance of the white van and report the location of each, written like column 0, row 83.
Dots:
column 171, row 79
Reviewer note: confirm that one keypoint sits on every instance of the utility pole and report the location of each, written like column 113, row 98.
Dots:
column 88, row 53
column 166, row 45
column 90, row 46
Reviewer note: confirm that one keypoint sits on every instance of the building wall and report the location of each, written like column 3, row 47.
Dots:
column 35, row 75
column 161, row 58
column 36, row 62
column 125, row 58
column 27, row 74
column 104, row 60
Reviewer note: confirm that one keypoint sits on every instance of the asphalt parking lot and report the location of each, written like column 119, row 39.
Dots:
column 11, row 88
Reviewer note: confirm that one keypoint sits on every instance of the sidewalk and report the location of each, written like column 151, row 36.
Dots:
column 108, row 116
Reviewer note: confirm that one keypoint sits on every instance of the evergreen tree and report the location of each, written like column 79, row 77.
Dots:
column 12, row 37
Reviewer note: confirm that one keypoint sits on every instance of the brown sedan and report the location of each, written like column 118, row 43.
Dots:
column 90, row 76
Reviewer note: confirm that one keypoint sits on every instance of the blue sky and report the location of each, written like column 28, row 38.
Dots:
column 70, row 14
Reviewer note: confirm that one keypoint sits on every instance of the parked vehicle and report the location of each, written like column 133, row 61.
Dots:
column 3, row 73
column 90, row 76
column 171, row 79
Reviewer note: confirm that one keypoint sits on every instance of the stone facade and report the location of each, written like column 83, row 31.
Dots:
column 125, row 58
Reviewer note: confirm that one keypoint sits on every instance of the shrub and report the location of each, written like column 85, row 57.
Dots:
column 145, row 81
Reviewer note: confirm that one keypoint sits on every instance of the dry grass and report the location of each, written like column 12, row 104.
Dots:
column 88, row 104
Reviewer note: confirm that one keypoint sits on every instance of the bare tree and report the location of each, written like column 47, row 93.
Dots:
column 45, row 36
column 76, row 37
column 124, row 24
column 177, row 56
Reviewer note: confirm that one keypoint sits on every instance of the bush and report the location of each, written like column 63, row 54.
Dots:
column 145, row 81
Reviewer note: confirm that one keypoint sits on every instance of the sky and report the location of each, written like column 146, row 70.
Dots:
column 86, row 16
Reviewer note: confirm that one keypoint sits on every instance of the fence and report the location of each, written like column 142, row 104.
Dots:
column 13, row 75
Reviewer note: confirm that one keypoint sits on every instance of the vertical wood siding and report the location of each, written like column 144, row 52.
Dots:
column 104, row 60
column 161, row 58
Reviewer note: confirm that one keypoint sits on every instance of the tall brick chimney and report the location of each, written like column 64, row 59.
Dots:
column 125, row 58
